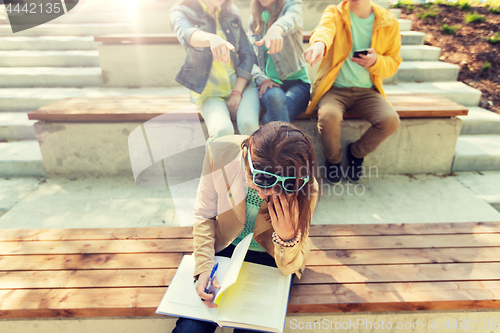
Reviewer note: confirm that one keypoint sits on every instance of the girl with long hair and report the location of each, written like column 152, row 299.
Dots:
column 265, row 184
column 218, row 65
column 281, row 72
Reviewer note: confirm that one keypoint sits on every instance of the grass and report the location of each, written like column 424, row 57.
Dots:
column 465, row 6
column 495, row 39
column 428, row 14
column 494, row 10
column 486, row 67
column 474, row 18
column 450, row 30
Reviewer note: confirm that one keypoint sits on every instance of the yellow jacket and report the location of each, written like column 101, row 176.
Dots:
column 334, row 30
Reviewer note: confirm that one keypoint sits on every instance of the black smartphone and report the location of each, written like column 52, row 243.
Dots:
column 358, row 52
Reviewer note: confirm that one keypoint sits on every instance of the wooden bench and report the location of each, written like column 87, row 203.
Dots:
column 88, row 136
column 56, row 273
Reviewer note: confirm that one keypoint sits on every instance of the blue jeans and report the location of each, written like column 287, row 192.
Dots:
column 217, row 118
column 286, row 102
column 186, row 325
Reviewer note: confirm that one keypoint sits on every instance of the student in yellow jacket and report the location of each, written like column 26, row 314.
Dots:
column 345, row 82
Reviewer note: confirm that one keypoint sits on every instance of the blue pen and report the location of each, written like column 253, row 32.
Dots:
column 212, row 274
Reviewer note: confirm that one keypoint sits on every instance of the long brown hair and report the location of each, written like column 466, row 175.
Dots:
column 283, row 149
column 257, row 24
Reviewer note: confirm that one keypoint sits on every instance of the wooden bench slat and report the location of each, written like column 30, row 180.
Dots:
column 187, row 232
column 98, row 302
column 96, row 246
column 400, row 273
column 405, row 241
column 403, row 256
column 86, row 278
column 394, row 296
column 404, row 229
column 316, row 258
column 144, row 108
column 91, row 261
column 95, row 234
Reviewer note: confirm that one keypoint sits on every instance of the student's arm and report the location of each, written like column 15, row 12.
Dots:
column 291, row 21
column 235, row 99
column 387, row 64
column 205, row 210
column 326, row 29
column 246, row 55
column 191, row 36
column 293, row 259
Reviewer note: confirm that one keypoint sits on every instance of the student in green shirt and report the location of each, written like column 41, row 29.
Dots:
column 281, row 73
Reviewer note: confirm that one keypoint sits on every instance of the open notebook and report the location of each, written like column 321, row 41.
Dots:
column 251, row 296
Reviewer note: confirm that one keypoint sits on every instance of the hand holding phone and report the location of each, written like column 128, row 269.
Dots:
column 358, row 52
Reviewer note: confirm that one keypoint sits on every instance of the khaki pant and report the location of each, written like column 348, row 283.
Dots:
column 367, row 104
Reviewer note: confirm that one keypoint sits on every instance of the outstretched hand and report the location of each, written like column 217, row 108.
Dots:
column 284, row 215
column 272, row 39
column 221, row 49
column 314, row 53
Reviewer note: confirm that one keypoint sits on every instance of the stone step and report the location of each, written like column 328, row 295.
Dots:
column 484, row 184
column 16, row 126
column 477, row 153
column 425, row 71
column 79, row 18
column 24, row 58
column 412, row 38
column 456, row 91
column 28, row 99
column 404, row 25
column 396, row 12
column 21, row 159
column 52, row 43
column 480, row 121
column 420, row 53
column 83, row 29
column 50, row 77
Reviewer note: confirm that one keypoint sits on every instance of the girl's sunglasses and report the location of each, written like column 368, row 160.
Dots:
column 266, row 179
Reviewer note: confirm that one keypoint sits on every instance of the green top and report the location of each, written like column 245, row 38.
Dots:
column 253, row 206
column 272, row 73
column 352, row 74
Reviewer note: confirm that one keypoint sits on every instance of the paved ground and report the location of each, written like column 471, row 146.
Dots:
column 30, row 203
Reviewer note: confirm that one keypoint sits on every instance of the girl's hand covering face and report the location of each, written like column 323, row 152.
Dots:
column 284, row 214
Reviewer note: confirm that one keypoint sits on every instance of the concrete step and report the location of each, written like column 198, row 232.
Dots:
column 83, row 29
column 26, row 58
column 480, row 121
column 404, row 25
column 412, row 38
column 79, row 18
column 16, row 126
column 456, row 91
column 21, row 159
column 425, row 71
column 28, row 99
column 50, row 77
column 477, row 153
column 396, row 12
column 485, row 185
column 420, row 53
column 45, row 43
column 384, row 3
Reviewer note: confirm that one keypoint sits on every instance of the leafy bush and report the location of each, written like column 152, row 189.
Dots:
column 486, row 67
column 474, row 17
column 495, row 39
column 450, row 30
